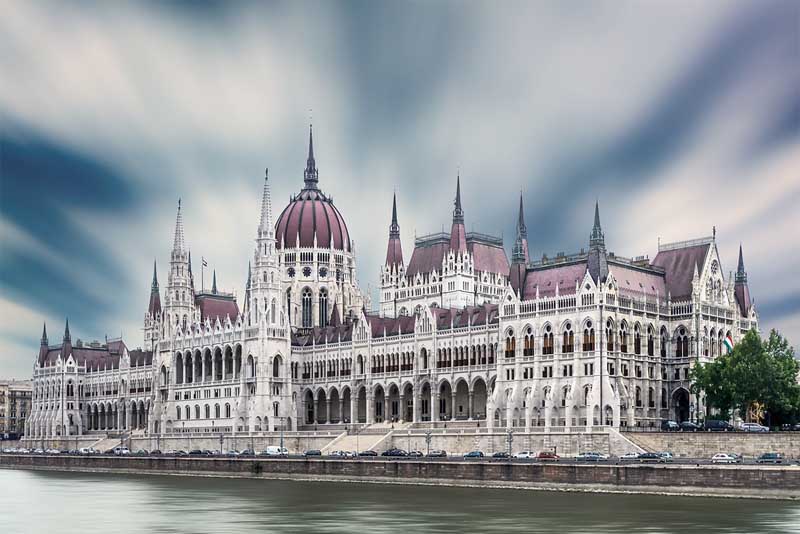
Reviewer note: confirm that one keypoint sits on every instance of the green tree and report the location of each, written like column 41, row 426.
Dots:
column 754, row 379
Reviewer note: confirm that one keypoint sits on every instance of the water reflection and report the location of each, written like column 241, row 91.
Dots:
column 33, row 502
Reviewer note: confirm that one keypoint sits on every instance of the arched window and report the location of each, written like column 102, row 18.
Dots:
column 276, row 367
column 623, row 338
column 511, row 344
column 568, row 342
column 323, row 307
column 227, row 410
column 178, row 412
column 547, row 340
column 609, row 336
column 216, row 411
column 424, row 354
column 651, row 398
column 306, row 318
column 588, row 337
column 638, row 397
column 197, row 411
column 208, row 411
column 187, row 412
column 527, row 349
column 650, row 341
column 272, row 312
column 289, row 304
column 637, row 340
column 682, row 344
column 663, row 342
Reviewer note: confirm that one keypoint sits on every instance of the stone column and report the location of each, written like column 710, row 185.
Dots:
column 370, row 409
column 128, row 418
column 415, row 404
column 402, row 409
column 453, row 406
column 470, row 406
column 341, row 410
column 327, row 410
column 353, row 408
column 434, row 406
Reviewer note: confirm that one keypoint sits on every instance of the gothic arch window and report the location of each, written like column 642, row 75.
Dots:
column 623, row 338
column 323, row 307
column 664, row 342
column 609, row 335
column 227, row 410
column 650, row 340
column 588, row 337
column 216, row 411
column 682, row 344
column 527, row 349
column 276, row 367
column 511, row 344
column 568, row 341
column 547, row 340
column 306, row 317
column 637, row 340
column 272, row 312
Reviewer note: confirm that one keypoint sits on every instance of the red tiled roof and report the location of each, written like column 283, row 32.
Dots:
column 488, row 258
column 742, row 294
column 637, row 281
column 679, row 265
column 548, row 277
column 311, row 214
column 427, row 258
column 213, row 306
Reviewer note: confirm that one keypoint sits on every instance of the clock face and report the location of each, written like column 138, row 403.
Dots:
column 323, row 272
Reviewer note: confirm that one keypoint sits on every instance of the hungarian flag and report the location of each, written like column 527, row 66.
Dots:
column 205, row 263
column 728, row 341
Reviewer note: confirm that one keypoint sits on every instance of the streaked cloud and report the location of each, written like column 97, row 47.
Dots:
column 678, row 116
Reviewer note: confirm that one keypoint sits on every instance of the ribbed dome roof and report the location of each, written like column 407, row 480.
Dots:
column 308, row 216
column 311, row 215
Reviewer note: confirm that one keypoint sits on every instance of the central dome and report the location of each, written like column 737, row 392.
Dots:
column 311, row 220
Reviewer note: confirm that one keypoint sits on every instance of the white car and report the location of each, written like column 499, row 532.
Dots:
column 273, row 450
column 667, row 456
column 629, row 457
column 723, row 458
column 121, row 451
column 525, row 455
column 753, row 427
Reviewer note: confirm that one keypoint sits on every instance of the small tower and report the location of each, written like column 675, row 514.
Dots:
column 311, row 174
column 152, row 319
column 519, row 254
column 458, row 236
column 598, row 257
column 393, row 269
column 458, row 284
column 43, row 347
column 740, row 289
column 66, row 347
column 179, row 296
column 263, row 298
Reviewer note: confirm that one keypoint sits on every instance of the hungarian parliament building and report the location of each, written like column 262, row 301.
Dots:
column 460, row 333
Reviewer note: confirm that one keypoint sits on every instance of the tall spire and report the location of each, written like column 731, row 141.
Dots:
column 249, row 276
column 154, row 285
column 44, row 334
column 265, row 226
column 394, row 251
column 67, row 337
column 741, row 274
column 520, row 252
column 458, row 213
column 394, row 228
column 597, row 238
column 311, row 175
column 458, row 237
column 214, row 283
column 178, row 245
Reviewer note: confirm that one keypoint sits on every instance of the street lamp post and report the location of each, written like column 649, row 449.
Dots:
column 510, row 440
column 428, row 441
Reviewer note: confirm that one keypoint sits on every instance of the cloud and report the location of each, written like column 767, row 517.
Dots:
column 677, row 116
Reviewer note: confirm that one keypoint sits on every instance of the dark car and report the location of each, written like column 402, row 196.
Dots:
column 474, row 454
column 313, row 452
column 670, row 426
column 715, row 425
column 368, row 453
column 651, row 457
column 502, row 455
column 437, row 454
column 196, row 452
column 770, row 458
column 156, row 453
column 394, row 453
column 547, row 456
column 247, row 452
column 688, row 426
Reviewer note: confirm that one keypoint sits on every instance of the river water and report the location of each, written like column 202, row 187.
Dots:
column 65, row 503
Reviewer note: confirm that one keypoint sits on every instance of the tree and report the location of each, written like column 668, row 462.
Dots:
column 756, row 379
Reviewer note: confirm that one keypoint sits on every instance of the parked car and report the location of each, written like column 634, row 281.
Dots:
column 668, row 456
column 688, row 426
column 629, row 457
column 715, row 425
column 753, row 427
column 396, row 453
column 789, row 427
column 196, row 452
column 415, row 454
column 670, row 426
column 723, row 458
column 274, row 450
column 368, row 453
column 525, row 455
column 247, row 452
column 474, row 454
column 349, row 454
column 651, row 457
column 547, row 456
column 501, row 455
column 156, row 453
column 121, row 451
column 770, row 458
column 437, row 453
column 591, row 457
column 312, row 452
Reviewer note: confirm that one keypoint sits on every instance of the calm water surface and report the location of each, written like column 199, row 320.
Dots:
column 65, row 503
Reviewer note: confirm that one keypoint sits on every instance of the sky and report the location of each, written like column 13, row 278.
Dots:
column 676, row 116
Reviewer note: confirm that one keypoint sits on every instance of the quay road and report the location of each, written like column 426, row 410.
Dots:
column 748, row 461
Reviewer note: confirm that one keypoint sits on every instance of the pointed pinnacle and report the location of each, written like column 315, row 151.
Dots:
column 44, row 333
column 155, row 276
column 214, row 283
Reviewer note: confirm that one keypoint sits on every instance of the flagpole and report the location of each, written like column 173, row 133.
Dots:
column 202, row 273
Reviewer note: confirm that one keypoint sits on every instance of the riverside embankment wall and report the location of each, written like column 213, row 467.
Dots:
column 707, row 444
column 734, row 481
